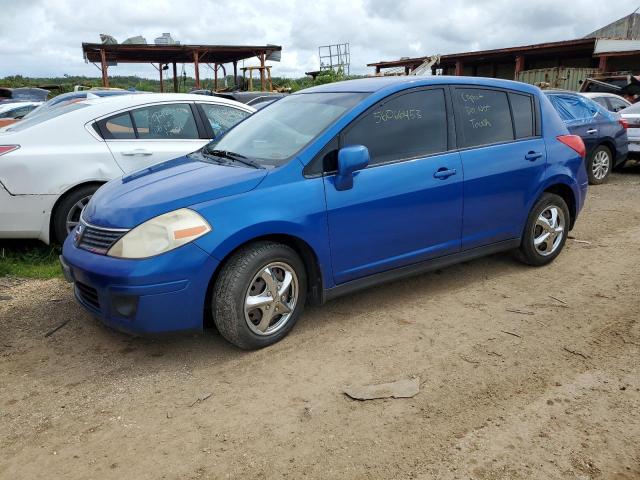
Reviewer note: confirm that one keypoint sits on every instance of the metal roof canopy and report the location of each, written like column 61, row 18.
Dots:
column 567, row 46
column 173, row 54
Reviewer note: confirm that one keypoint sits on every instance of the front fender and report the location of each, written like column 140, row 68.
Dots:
column 295, row 209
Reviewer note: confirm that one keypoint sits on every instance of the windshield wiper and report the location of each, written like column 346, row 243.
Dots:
column 236, row 157
column 205, row 156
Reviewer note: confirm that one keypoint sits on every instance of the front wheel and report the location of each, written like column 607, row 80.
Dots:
column 546, row 231
column 599, row 165
column 259, row 295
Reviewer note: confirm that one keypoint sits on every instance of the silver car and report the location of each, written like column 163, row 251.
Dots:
column 610, row 101
column 632, row 116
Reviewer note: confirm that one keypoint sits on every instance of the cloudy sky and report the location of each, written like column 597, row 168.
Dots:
column 43, row 37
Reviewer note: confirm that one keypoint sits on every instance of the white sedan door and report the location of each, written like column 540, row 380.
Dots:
column 152, row 134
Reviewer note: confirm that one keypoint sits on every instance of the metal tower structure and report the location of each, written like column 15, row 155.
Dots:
column 336, row 57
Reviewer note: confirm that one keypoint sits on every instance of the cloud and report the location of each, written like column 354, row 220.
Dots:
column 42, row 38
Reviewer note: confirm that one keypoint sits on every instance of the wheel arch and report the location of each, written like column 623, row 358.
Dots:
column 65, row 194
column 610, row 144
column 566, row 193
column 315, row 285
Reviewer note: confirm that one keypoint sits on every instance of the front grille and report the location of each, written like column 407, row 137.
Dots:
column 88, row 295
column 97, row 239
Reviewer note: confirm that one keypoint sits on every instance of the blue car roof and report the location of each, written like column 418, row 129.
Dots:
column 374, row 84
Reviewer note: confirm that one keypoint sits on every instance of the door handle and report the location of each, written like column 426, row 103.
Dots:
column 533, row 156
column 137, row 151
column 591, row 131
column 444, row 172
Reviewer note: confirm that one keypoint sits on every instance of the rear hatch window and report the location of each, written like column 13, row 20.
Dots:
column 55, row 112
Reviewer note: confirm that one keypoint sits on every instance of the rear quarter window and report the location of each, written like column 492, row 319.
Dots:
column 523, row 115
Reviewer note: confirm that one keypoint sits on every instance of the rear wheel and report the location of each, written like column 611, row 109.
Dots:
column 546, row 231
column 599, row 165
column 259, row 295
column 67, row 213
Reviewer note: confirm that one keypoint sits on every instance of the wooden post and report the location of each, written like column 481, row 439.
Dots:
column 103, row 63
column 262, row 86
column 458, row 68
column 519, row 66
column 235, row 74
column 161, row 84
column 215, row 77
column 602, row 65
column 406, row 70
column 196, row 56
column 175, row 78
column 270, row 82
column 493, row 70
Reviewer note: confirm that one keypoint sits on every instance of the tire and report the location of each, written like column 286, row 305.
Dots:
column 546, row 251
column 599, row 165
column 69, row 209
column 254, row 271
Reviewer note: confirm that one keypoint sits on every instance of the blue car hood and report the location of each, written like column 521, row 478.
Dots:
column 128, row 201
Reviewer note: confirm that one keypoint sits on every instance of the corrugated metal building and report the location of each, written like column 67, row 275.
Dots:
column 586, row 55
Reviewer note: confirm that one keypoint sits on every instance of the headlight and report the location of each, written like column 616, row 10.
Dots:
column 160, row 234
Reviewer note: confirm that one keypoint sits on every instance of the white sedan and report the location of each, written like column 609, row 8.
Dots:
column 51, row 165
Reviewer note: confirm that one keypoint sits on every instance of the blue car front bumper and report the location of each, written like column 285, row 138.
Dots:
column 153, row 295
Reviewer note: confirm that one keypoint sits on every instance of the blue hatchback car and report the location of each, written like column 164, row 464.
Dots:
column 604, row 133
column 329, row 190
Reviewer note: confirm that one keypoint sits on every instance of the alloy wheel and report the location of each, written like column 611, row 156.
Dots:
column 548, row 230
column 73, row 216
column 600, row 165
column 271, row 298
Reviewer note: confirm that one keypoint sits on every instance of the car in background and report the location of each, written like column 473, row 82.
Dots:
column 23, row 94
column 604, row 133
column 242, row 96
column 610, row 101
column 260, row 102
column 72, row 97
column 329, row 190
column 51, row 164
column 632, row 116
column 12, row 112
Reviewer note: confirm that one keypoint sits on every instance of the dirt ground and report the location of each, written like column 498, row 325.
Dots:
column 514, row 383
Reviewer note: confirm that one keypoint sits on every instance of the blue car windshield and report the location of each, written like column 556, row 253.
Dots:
column 272, row 136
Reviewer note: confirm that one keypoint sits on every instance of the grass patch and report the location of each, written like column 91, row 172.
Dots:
column 29, row 259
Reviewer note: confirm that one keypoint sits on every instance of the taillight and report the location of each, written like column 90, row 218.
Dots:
column 8, row 148
column 574, row 142
column 624, row 123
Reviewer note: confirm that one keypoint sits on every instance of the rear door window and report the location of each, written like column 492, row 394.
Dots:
column 483, row 117
column 165, row 122
column 410, row 125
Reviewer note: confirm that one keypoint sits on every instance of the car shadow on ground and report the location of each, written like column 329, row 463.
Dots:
column 89, row 338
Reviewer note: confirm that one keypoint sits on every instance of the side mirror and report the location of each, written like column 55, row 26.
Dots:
column 350, row 159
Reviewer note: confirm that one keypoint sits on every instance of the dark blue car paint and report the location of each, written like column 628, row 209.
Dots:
column 396, row 215
column 600, row 128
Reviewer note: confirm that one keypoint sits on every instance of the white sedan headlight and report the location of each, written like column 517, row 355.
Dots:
column 160, row 234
